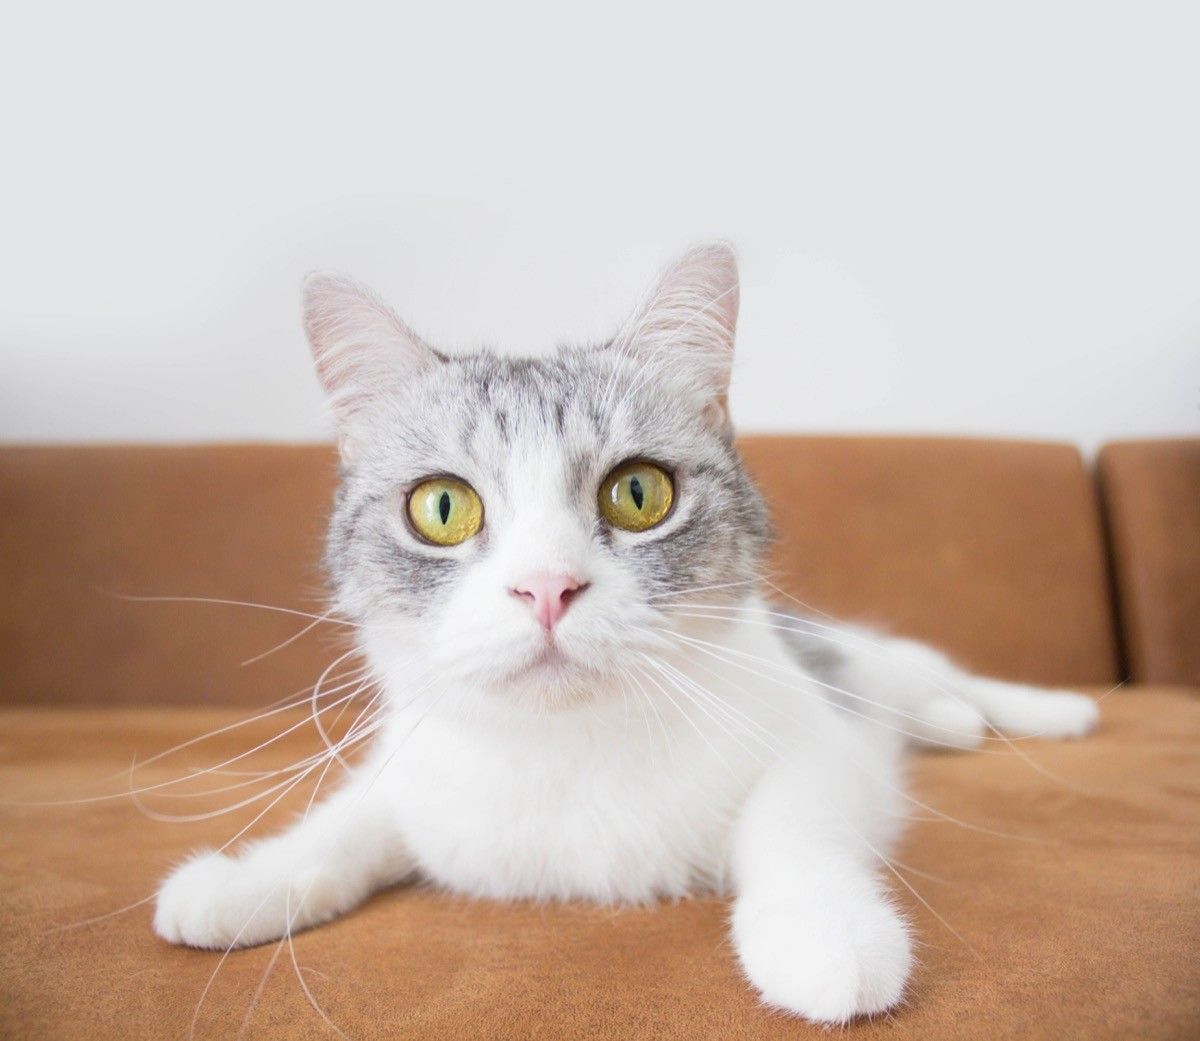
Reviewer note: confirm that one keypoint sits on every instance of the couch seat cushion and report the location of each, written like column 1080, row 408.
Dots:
column 1086, row 925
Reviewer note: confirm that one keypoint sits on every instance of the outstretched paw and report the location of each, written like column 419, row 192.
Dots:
column 826, row 965
column 216, row 901
column 1024, row 711
column 194, row 905
column 1064, row 714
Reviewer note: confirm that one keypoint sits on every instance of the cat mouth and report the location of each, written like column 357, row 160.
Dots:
column 549, row 661
column 550, row 656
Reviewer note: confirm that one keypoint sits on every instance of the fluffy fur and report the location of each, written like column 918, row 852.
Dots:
column 674, row 733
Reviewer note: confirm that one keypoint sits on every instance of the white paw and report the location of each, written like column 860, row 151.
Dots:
column 194, row 905
column 1065, row 714
column 216, row 902
column 821, row 963
column 1044, row 713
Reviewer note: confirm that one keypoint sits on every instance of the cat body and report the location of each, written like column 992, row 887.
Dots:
column 554, row 568
column 613, row 804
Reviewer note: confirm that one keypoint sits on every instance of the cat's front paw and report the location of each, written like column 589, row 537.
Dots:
column 826, row 965
column 194, row 903
column 1064, row 714
column 217, row 901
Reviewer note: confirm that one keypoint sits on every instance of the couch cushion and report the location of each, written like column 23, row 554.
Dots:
column 991, row 549
column 236, row 522
column 1152, row 501
column 1083, row 925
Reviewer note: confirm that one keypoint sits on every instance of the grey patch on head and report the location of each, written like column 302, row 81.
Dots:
column 577, row 470
column 599, row 420
column 365, row 560
column 467, row 434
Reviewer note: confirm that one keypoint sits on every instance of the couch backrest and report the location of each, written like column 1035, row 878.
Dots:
column 991, row 549
column 80, row 525
column 1152, row 502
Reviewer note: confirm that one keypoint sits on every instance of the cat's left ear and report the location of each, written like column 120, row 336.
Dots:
column 363, row 351
column 687, row 323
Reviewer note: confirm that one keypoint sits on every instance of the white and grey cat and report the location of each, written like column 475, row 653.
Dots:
column 554, row 570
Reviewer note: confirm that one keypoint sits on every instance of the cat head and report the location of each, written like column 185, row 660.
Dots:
column 524, row 527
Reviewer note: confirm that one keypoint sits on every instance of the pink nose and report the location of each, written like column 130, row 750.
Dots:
column 549, row 596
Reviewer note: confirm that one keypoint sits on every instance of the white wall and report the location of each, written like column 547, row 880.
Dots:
column 981, row 218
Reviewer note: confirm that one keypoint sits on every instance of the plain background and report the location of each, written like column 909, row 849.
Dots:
column 974, row 218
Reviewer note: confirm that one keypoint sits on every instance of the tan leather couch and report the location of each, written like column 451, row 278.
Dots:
column 1066, row 903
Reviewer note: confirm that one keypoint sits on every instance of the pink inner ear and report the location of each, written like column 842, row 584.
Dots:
column 708, row 273
column 688, row 322
column 360, row 346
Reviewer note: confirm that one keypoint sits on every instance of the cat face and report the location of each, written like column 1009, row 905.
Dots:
column 523, row 526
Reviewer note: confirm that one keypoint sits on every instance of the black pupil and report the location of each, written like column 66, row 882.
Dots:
column 635, row 490
column 444, row 507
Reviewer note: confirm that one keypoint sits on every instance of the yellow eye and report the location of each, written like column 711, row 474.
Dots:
column 636, row 496
column 445, row 511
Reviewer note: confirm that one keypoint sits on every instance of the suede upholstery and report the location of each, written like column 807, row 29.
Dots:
column 1084, row 924
column 990, row 549
column 81, row 526
column 1064, row 902
column 1152, row 501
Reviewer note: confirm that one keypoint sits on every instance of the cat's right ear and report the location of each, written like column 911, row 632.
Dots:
column 363, row 351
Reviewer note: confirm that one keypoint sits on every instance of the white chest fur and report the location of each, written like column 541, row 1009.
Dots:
column 624, row 800
column 621, row 804
column 568, row 811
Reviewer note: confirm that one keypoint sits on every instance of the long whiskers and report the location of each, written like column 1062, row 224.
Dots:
column 840, row 636
column 176, row 780
column 940, row 815
column 711, row 649
column 224, row 602
column 284, row 704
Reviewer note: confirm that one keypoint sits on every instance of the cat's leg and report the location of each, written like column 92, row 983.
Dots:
column 956, row 708
column 326, row 863
column 912, row 688
column 813, row 926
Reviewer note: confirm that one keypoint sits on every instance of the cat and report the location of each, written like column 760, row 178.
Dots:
column 555, row 571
